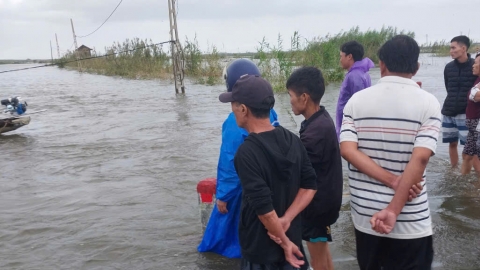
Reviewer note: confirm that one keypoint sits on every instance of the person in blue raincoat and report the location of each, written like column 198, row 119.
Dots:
column 221, row 233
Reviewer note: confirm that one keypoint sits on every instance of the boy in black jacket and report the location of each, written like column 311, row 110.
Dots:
column 306, row 88
column 277, row 180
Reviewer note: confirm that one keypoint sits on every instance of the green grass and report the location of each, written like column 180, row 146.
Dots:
column 144, row 63
column 277, row 63
column 150, row 61
column 276, row 60
column 205, row 68
column 442, row 48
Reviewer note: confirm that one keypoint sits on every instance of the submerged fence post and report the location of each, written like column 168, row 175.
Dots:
column 176, row 48
column 58, row 47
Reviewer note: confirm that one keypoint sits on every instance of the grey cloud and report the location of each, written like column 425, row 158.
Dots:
column 96, row 11
column 237, row 24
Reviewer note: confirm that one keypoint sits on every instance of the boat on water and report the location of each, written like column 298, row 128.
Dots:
column 13, row 123
column 14, row 115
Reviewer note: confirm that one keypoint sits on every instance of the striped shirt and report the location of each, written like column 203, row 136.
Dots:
column 387, row 121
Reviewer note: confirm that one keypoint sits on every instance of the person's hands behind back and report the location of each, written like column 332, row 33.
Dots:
column 292, row 253
column 384, row 221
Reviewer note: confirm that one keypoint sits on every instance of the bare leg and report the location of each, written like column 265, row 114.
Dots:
column 320, row 257
column 452, row 150
column 476, row 165
column 467, row 164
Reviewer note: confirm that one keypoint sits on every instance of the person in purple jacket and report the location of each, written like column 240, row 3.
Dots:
column 357, row 78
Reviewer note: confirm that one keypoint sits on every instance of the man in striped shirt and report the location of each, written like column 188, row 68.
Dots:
column 388, row 134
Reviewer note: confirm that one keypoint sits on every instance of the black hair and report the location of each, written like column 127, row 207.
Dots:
column 478, row 55
column 400, row 54
column 354, row 48
column 464, row 40
column 263, row 113
column 307, row 80
column 259, row 113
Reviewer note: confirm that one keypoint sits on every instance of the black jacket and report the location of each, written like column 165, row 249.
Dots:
column 272, row 167
column 459, row 80
column 320, row 139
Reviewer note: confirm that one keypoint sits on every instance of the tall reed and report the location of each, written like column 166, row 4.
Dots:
column 276, row 60
column 442, row 48
column 147, row 61
column 322, row 52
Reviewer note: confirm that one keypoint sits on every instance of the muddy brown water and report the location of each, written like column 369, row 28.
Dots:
column 105, row 179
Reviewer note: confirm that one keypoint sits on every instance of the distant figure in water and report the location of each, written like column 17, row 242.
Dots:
column 221, row 233
column 357, row 78
column 459, row 80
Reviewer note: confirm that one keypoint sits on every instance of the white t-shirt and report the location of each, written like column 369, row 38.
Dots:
column 387, row 121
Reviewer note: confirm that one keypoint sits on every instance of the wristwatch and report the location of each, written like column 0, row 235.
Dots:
column 473, row 92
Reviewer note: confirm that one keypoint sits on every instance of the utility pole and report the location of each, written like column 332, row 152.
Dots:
column 76, row 47
column 58, row 47
column 176, row 48
column 51, row 51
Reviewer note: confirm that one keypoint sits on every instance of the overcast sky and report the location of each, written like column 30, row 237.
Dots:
column 27, row 26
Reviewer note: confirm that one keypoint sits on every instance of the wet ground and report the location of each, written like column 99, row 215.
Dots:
column 105, row 179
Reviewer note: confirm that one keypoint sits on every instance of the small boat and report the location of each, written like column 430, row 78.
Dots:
column 13, row 123
column 14, row 116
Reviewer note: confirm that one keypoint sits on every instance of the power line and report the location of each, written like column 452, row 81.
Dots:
column 103, row 22
column 70, row 46
column 88, row 58
column 64, row 51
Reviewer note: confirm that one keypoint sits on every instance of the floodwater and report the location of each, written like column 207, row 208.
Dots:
column 105, row 179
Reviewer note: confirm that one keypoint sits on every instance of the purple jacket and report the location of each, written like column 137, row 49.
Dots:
column 356, row 79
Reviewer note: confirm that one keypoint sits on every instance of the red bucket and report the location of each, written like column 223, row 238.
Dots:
column 206, row 189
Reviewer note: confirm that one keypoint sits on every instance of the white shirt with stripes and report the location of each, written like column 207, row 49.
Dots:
column 387, row 121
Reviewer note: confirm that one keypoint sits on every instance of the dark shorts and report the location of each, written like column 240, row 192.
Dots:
column 375, row 253
column 315, row 232
column 246, row 265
